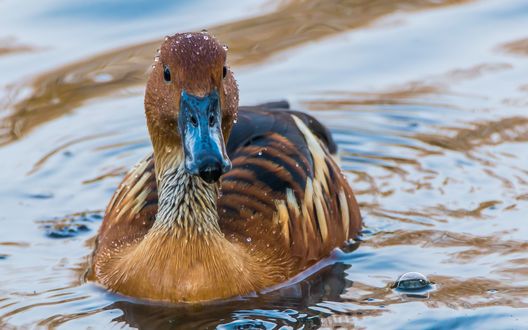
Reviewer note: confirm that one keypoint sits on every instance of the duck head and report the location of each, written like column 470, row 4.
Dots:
column 191, row 102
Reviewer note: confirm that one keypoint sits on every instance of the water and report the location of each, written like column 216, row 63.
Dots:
column 427, row 99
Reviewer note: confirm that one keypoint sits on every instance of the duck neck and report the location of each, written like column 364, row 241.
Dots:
column 186, row 203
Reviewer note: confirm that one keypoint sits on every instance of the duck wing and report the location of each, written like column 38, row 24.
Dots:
column 285, row 188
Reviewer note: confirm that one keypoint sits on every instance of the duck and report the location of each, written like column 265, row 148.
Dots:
column 232, row 201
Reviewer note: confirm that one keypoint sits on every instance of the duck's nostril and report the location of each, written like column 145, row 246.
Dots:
column 210, row 172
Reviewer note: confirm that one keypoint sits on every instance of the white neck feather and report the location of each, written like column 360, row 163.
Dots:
column 186, row 204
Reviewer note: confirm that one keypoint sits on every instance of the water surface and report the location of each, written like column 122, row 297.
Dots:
column 428, row 101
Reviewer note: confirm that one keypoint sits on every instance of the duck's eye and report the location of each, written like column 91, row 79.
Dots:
column 224, row 73
column 166, row 74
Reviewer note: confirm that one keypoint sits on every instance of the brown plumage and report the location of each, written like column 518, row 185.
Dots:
column 284, row 205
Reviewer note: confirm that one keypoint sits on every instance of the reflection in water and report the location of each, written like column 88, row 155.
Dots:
column 10, row 46
column 490, row 133
column 519, row 47
column 285, row 307
column 473, row 246
column 250, row 41
column 433, row 135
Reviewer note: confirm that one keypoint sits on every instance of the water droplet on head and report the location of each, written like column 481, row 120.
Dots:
column 166, row 38
column 206, row 38
column 188, row 36
column 260, row 153
column 235, row 121
column 156, row 59
column 248, row 239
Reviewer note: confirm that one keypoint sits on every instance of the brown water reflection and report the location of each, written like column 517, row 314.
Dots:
column 519, row 47
column 512, row 129
column 250, row 41
column 10, row 45
column 475, row 246
column 426, row 99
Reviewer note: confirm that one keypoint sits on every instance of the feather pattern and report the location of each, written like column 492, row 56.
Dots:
column 284, row 190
